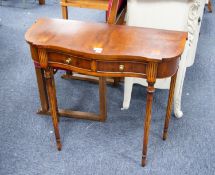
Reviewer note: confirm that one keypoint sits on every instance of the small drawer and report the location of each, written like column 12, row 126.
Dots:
column 75, row 61
column 126, row 66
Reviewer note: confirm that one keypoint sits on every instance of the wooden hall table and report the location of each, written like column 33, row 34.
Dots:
column 103, row 50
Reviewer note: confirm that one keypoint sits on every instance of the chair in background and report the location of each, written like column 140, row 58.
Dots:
column 41, row 2
column 115, row 14
column 180, row 15
column 116, row 8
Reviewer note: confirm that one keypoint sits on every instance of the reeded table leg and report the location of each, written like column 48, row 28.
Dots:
column 42, row 90
column 53, row 104
column 151, row 73
column 169, row 105
column 150, row 91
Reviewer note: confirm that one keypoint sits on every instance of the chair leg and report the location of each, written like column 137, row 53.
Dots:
column 128, row 86
column 42, row 90
column 41, row 2
column 210, row 9
column 64, row 12
column 53, row 104
column 102, row 98
column 106, row 16
column 116, row 81
column 150, row 92
column 169, row 106
column 54, row 88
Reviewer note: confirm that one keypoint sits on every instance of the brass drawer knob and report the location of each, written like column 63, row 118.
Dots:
column 68, row 60
column 121, row 67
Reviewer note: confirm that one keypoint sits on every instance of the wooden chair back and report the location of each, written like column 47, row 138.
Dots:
column 110, row 6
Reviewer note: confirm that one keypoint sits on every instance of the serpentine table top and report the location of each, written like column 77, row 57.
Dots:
column 117, row 42
column 103, row 50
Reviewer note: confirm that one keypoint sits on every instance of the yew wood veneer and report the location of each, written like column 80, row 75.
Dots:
column 103, row 50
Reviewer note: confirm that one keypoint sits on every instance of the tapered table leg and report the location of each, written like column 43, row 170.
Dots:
column 147, row 122
column 169, row 105
column 151, row 73
column 53, row 104
column 102, row 98
column 42, row 90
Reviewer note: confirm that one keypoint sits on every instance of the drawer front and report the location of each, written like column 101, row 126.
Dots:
column 69, row 60
column 126, row 67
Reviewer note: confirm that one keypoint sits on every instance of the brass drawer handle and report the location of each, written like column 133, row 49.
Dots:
column 68, row 60
column 121, row 67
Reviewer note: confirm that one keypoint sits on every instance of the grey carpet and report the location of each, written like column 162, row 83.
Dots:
column 27, row 143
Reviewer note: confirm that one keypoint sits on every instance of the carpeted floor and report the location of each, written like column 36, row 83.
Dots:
column 27, row 143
